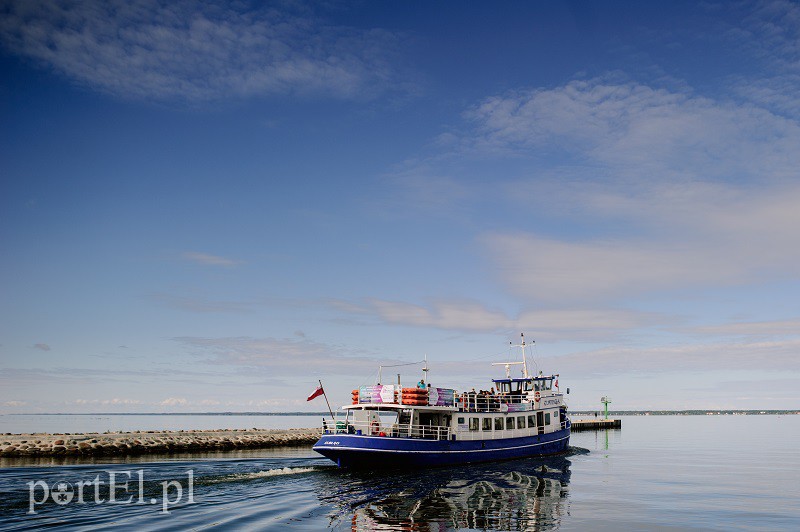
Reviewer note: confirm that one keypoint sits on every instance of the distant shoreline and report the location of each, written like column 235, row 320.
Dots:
column 709, row 412
column 169, row 414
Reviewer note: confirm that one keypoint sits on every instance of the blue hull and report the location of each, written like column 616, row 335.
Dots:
column 356, row 451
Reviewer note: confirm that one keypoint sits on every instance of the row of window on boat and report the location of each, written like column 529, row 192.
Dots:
column 506, row 422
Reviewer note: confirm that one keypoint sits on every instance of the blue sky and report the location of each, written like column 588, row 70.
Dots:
column 208, row 207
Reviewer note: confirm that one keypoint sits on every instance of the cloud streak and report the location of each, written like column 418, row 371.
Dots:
column 207, row 259
column 280, row 356
column 756, row 356
column 197, row 51
column 710, row 236
column 471, row 316
column 788, row 327
column 116, row 401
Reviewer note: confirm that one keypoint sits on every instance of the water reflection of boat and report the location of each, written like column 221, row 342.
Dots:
column 517, row 495
column 520, row 502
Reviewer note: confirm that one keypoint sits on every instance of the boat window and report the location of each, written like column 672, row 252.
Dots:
column 487, row 423
column 509, row 423
column 498, row 423
column 473, row 423
column 461, row 421
column 520, row 422
column 547, row 418
column 531, row 421
column 528, row 386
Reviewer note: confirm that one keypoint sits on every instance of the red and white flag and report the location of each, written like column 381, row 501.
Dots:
column 556, row 383
column 315, row 393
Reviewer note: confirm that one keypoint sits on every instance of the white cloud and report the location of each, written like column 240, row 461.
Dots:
column 174, row 401
column 770, row 32
column 197, row 51
column 656, row 190
column 636, row 132
column 463, row 315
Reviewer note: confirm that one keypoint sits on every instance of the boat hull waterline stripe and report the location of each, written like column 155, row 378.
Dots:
column 414, row 451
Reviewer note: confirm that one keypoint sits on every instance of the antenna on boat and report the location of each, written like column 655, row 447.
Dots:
column 425, row 369
column 524, row 360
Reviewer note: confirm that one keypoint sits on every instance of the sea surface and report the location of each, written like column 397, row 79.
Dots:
column 655, row 473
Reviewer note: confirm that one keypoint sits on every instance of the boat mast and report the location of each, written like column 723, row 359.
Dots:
column 524, row 359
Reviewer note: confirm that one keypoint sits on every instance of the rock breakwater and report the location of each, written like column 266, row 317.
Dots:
column 151, row 442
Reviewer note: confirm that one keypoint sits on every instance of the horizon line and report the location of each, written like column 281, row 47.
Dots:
column 699, row 411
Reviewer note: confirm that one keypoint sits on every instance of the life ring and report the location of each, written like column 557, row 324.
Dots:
column 374, row 428
column 537, row 396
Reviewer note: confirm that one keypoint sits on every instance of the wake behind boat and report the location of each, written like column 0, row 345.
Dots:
column 395, row 426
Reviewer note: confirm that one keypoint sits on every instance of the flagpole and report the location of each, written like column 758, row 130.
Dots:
column 326, row 400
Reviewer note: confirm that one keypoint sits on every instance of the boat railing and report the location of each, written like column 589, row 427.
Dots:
column 388, row 430
column 474, row 402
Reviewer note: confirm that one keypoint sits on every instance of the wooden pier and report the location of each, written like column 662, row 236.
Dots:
column 596, row 424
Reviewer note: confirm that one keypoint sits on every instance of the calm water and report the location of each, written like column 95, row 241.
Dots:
column 656, row 473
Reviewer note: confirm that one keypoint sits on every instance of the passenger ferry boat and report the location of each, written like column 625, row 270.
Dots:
column 395, row 426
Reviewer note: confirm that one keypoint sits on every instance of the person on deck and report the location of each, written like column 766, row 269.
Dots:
column 421, row 383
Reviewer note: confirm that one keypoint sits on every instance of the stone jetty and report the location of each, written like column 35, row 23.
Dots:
column 151, row 442
column 595, row 424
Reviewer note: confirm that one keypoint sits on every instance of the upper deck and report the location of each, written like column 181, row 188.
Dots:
column 511, row 395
